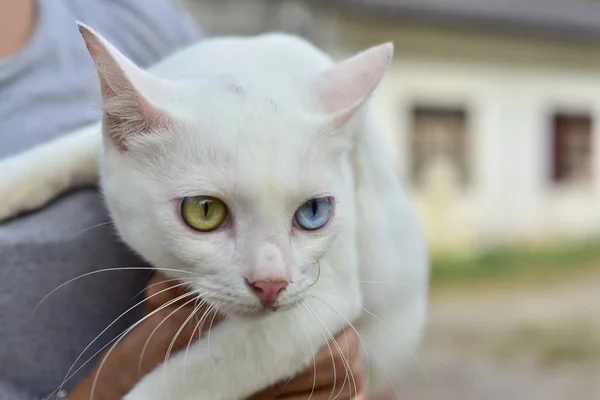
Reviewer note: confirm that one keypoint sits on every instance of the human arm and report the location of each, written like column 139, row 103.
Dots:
column 16, row 22
column 121, row 371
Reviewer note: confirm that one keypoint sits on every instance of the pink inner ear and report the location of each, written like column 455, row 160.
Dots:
column 124, row 118
column 348, row 84
column 126, row 111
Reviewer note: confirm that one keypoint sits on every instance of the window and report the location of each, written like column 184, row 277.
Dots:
column 439, row 134
column 572, row 148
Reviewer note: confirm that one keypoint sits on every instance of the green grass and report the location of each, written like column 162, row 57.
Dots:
column 542, row 262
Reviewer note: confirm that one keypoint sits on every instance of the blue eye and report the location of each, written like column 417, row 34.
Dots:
column 313, row 214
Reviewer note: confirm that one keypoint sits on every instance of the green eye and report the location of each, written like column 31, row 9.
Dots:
column 203, row 213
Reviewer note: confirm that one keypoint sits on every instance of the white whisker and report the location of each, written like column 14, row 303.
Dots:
column 106, row 329
column 95, row 381
column 319, row 324
column 159, row 283
column 132, row 268
column 118, row 338
column 187, row 320
column 159, row 325
column 393, row 333
column 312, row 350
column 174, row 337
column 403, row 283
column 388, row 377
column 362, row 342
column 208, row 334
column 200, row 321
column 92, row 227
column 348, row 371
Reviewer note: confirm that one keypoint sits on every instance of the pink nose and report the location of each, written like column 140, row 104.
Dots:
column 267, row 291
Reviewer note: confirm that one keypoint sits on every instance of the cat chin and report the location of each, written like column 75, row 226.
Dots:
column 254, row 312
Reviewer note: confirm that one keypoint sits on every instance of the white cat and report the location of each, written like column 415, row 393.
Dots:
column 253, row 166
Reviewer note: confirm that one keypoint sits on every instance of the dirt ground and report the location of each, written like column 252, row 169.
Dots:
column 517, row 342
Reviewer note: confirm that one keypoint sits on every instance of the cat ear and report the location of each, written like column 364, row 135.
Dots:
column 343, row 88
column 126, row 92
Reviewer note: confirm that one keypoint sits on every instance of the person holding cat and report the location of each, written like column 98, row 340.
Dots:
column 45, row 89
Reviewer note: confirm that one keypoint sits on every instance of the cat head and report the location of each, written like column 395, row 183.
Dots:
column 236, row 188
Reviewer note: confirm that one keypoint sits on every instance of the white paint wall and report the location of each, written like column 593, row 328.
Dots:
column 509, row 110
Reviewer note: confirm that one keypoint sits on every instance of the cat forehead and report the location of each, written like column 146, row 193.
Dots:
column 268, row 156
column 227, row 115
column 221, row 93
column 270, row 187
column 255, row 163
column 232, row 134
column 275, row 184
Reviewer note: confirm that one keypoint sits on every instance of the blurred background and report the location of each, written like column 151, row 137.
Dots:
column 491, row 108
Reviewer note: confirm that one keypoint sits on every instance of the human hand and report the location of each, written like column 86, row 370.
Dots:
column 337, row 375
column 119, row 370
column 124, row 366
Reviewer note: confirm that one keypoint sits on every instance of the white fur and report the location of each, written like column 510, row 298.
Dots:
column 263, row 123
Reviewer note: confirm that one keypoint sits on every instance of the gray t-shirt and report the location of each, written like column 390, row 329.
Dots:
column 48, row 89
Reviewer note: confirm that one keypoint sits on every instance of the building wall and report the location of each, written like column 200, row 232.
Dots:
column 511, row 195
column 509, row 84
column 510, row 87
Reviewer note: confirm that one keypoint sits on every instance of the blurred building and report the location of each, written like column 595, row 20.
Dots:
column 491, row 107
